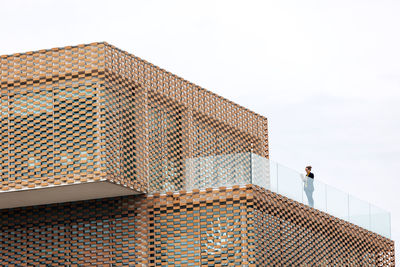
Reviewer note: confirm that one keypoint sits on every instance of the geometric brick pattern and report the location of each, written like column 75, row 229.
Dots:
column 93, row 112
column 201, row 228
column 50, row 117
column 174, row 121
column 289, row 233
column 100, row 232
column 237, row 226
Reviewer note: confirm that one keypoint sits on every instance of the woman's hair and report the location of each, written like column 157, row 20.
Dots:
column 309, row 167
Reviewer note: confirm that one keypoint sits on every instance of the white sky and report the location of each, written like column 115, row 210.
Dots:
column 325, row 73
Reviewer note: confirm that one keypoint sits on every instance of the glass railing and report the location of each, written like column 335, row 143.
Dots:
column 329, row 199
column 248, row 168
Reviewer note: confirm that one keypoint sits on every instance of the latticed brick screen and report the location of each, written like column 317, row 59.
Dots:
column 50, row 117
column 50, row 132
column 292, row 234
column 238, row 226
column 201, row 228
column 175, row 122
column 93, row 112
column 101, row 232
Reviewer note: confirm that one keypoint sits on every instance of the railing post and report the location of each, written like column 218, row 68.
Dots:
column 348, row 207
column 251, row 168
column 390, row 225
column 277, row 178
column 326, row 199
column 369, row 216
column 302, row 192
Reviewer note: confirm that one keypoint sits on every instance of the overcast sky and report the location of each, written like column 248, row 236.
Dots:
column 325, row 73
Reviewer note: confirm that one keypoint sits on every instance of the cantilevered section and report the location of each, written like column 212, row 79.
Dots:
column 91, row 113
column 62, row 193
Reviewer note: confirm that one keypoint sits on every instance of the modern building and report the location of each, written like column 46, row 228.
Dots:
column 108, row 160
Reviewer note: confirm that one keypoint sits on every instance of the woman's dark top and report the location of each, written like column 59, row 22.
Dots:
column 309, row 186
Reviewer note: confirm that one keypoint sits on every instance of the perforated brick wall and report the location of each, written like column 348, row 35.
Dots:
column 93, row 112
column 90, row 233
column 289, row 233
column 50, row 128
column 239, row 226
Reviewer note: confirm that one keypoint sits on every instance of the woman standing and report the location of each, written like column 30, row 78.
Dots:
column 309, row 186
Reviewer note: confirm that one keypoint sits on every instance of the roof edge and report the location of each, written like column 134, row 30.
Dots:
column 59, row 48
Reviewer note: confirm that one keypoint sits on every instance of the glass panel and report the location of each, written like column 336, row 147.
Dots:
column 380, row 221
column 273, row 174
column 337, row 203
column 290, row 183
column 219, row 170
column 260, row 171
column 359, row 212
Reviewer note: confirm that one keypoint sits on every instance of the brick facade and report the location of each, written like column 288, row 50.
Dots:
column 91, row 113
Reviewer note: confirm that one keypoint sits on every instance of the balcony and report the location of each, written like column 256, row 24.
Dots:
column 248, row 168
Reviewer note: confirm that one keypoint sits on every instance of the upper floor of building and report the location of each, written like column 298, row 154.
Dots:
column 95, row 114
column 92, row 121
